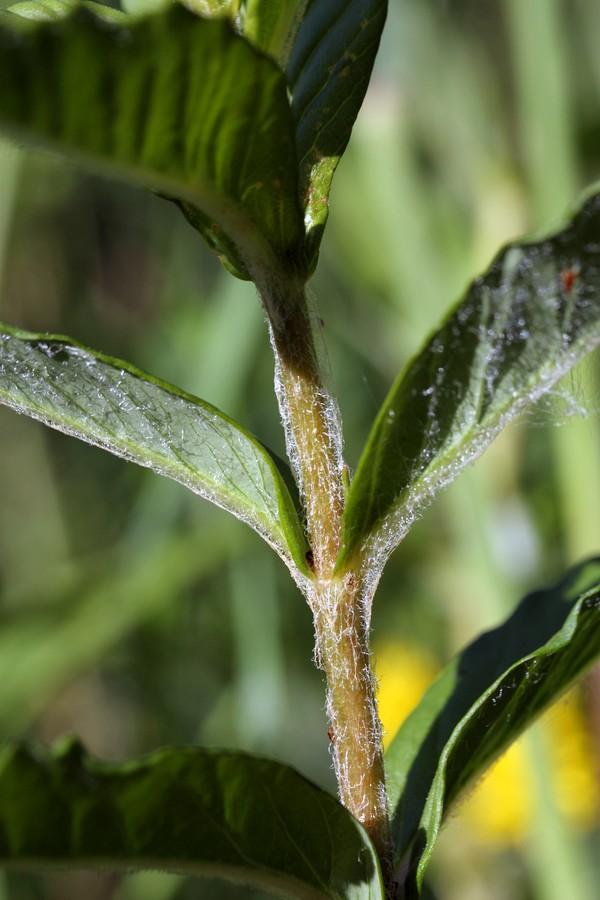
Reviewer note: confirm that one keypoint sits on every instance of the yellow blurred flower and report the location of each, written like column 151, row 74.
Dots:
column 404, row 673
column 572, row 755
column 501, row 808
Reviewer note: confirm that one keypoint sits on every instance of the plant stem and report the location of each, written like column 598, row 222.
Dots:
column 312, row 425
column 355, row 729
column 314, row 444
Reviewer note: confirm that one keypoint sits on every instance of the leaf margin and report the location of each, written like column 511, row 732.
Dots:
column 290, row 544
column 439, row 791
column 80, row 796
column 317, row 164
column 361, row 527
column 237, row 226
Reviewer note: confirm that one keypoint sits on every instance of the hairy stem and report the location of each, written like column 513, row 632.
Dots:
column 312, row 425
column 314, row 443
column 355, row 729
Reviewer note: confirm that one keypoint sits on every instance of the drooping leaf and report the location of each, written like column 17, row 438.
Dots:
column 111, row 404
column 521, row 327
column 329, row 69
column 178, row 103
column 199, row 812
column 481, row 703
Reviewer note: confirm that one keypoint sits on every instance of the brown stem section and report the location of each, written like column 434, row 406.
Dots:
column 313, row 436
column 312, row 426
column 355, row 729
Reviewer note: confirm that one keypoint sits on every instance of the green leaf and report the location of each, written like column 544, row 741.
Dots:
column 199, row 812
column 272, row 26
column 482, row 701
column 519, row 329
column 111, row 404
column 329, row 70
column 178, row 103
column 43, row 9
column 209, row 8
column 46, row 10
column 141, row 7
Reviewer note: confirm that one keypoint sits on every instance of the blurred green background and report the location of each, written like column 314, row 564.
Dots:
column 136, row 615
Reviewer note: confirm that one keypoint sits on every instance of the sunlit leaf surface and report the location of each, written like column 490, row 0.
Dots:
column 521, row 327
column 44, row 10
column 195, row 811
column 481, row 703
column 178, row 103
column 272, row 26
column 110, row 404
